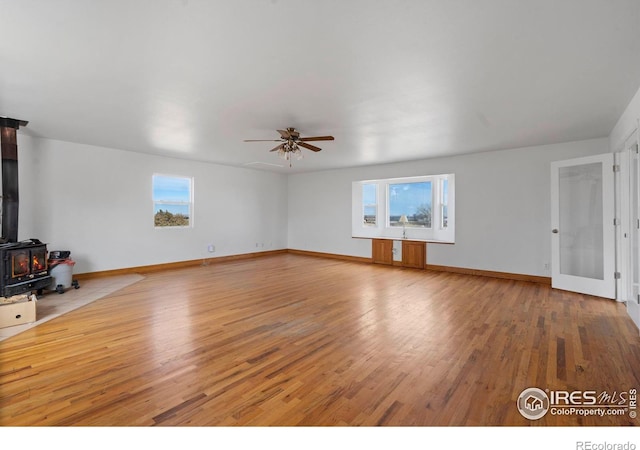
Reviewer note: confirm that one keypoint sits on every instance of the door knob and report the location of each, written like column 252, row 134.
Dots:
column 554, row 231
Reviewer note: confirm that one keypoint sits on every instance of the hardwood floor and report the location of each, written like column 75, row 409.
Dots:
column 298, row 340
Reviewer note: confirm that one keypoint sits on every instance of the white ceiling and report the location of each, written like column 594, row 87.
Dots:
column 391, row 80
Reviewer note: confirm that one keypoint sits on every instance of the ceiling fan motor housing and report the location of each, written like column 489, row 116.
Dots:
column 290, row 140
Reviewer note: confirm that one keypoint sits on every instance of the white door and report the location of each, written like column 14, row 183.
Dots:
column 583, row 232
column 630, row 248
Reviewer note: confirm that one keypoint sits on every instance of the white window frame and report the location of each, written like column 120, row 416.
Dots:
column 168, row 203
column 443, row 202
column 437, row 232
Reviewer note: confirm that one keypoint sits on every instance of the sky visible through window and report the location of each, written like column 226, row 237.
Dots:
column 406, row 198
column 171, row 189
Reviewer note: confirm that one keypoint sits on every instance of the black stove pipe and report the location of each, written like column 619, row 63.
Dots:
column 9, row 143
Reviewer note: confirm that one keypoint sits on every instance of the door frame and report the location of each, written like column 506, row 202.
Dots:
column 627, row 157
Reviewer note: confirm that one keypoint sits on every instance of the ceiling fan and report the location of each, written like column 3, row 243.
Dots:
column 290, row 143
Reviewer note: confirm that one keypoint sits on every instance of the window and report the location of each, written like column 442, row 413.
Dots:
column 410, row 204
column 444, row 195
column 420, row 208
column 172, row 201
column 369, row 205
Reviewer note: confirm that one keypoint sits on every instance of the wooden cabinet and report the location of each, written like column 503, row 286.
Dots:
column 382, row 251
column 414, row 254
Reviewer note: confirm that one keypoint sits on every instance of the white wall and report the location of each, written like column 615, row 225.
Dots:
column 627, row 123
column 502, row 207
column 96, row 202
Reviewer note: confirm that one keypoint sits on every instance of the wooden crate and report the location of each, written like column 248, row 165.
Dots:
column 17, row 313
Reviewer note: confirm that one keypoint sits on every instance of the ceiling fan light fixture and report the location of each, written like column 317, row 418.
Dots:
column 289, row 147
column 296, row 152
column 289, row 150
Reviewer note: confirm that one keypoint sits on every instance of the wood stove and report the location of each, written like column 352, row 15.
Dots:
column 23, row 265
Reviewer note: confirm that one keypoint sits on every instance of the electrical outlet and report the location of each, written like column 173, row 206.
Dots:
column 546, row 266
column 211, row 248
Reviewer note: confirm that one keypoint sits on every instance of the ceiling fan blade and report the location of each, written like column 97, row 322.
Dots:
column 263, row 140
column 317, row 138
column 309, row 146
column 284, row 133
column 278, row 147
